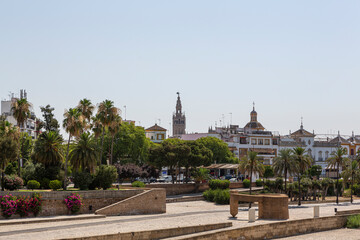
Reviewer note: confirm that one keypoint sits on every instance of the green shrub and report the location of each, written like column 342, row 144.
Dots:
column 219, row 184
column 356, row 189
column 33, row 184
column 353, row 221
column 44, row 183
column 13, row 182
column 82, row 180
column 105, row 176
column 138, row 184
column 246, row 183
column 55, row 184
column 259, row 183
column 209, row 195
column 222, row 196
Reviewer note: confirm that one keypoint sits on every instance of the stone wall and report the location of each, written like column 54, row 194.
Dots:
column 177, row 189
column 149, row 202
column 277, row 230
column 53, row 201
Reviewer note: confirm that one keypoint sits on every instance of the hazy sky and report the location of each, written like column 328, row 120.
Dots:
column 293, row 58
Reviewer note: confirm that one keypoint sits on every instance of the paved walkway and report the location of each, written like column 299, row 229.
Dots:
column 345, row 233
column 177, row 215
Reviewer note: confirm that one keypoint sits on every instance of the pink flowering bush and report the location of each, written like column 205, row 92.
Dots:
column 20, row 205
column 73, row 202
column 8, row 205
column 13, row 182
column 35, row 204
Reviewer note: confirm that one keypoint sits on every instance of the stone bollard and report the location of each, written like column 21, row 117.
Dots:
column 251, row 215
column 316, row 211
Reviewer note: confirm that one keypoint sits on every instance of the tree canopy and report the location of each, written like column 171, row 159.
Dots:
column 220, row 150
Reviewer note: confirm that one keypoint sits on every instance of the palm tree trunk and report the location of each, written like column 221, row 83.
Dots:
column 2, row 180
column 299, row 203
column 66, row 161
column 285, row 173
column 250, row 183
column 351, row 188
column 112, row 150
column 337, row 185
column 102, row 145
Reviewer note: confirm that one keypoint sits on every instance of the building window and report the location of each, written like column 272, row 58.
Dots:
column 326, row 155
column 352, row 152
column 152, row 137
column 275, row 142
column 243, row 140
column 253, row 141
column 320, row 158
column 261, row 141
column 159, row 137
column 267, row 141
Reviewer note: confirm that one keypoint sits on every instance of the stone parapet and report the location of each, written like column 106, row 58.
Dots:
column 149, row 202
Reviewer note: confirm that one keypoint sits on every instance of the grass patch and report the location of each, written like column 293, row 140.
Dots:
column 353, row 221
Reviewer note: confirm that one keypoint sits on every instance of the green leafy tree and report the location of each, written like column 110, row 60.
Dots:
column 50, row 123
column 130, row 144
column 351, row 172
column 9, row 146
column 251, row 164
column 84, row 153
column 315, row 171
column 336, row 161
column 302, row 162
column 26, row 146
column 268, row 172
column 283, row 164
column 73, row 123
column 220, row 150
column 199, row 156
column 48, row 149
column 170, row 153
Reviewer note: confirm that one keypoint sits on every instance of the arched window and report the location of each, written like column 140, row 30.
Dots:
column 326, row 155
column 320, row 157
column 309, row 152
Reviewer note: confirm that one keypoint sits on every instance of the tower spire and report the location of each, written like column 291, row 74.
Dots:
column 302, row 125
column 253, row 106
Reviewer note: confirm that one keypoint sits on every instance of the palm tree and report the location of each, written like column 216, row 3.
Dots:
column 73, row 122
column 114, row 128
column 48, row 149
column 336, row 160
column 86, row 108
column 284, row 163
column 351, row 171
column 302, row 161
column 251, row 164
column 106, row 114
column 21, row 112
column 84, row 154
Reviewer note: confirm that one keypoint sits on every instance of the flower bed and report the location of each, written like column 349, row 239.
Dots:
column 21, row 205
column 73, row 202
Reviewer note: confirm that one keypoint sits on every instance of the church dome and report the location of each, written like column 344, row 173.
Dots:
column 254, row 124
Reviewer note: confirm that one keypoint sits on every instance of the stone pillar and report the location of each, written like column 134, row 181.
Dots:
column 251, row 215
column 234, row 205
column 316, row 211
